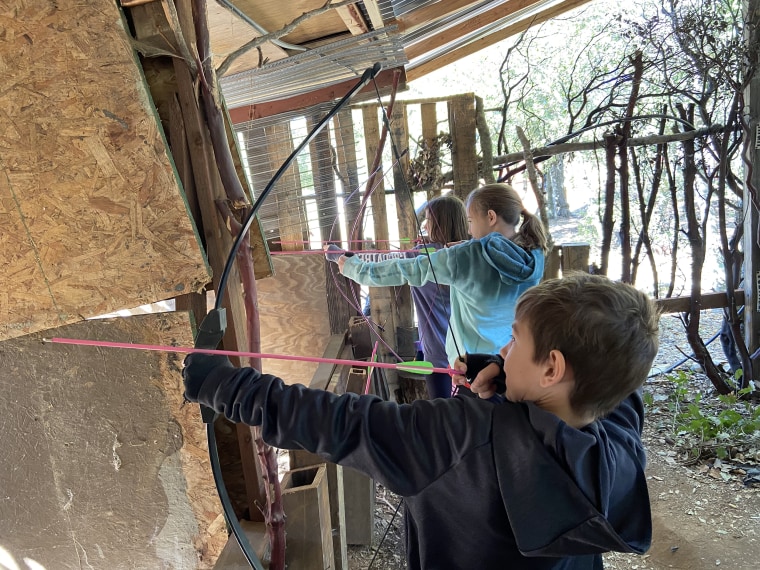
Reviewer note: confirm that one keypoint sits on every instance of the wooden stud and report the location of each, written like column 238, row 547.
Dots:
column 464, row 154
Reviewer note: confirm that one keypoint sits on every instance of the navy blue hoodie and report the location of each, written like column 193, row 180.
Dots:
column 486, row 486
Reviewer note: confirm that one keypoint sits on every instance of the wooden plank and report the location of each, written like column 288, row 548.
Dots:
column 299, row 459
column 324, row 372
column 347, row 164
column 430, row 12
column 455, row 54
column 228, row 32
column 306, row 502
column 464, row 152
column 290, row 209
column 103, row 456
column 247, row 113
column 467, row 27
column 219, row 244
column 709, row 301
column 358, row 488
column 92, row 219
column 324, row 181
column 429, row 122
column 407, row 225
column 381, row 298
column 274, row 15
column 232, row 557
column 294, row 316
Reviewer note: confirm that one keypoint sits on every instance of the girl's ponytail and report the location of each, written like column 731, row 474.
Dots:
column 532, row 234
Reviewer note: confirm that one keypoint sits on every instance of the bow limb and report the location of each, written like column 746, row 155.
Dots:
column 216, row 321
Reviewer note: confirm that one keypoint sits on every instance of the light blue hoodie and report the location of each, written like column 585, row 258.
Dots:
column 486, row 276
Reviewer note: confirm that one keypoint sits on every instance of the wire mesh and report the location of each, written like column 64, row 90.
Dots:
column 308, row 203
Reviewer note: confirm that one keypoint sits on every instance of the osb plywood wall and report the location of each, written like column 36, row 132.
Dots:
column 91, row 216
column 293, row 314
column 103, row 466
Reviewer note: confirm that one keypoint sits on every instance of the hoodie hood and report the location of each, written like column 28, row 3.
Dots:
column 513, row 263
column 547, row 499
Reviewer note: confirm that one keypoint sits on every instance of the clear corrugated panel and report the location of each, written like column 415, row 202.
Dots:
column 315, row 68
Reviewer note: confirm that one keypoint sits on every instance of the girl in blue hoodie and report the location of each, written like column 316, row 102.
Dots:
column 486, row 274
column 445, row 221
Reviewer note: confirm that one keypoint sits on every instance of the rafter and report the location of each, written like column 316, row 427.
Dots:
column 450, row 56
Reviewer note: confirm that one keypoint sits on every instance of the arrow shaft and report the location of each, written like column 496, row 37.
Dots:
column 185, row 349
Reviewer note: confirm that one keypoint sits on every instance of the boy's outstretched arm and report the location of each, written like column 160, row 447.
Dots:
column 403, row 447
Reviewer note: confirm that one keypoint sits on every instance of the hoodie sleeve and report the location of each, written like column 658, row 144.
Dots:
column 440, row 266
column 382, row 439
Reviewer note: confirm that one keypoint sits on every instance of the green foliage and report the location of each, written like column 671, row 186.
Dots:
column 711, row 426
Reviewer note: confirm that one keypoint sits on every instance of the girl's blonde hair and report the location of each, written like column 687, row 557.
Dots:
column 506, row 203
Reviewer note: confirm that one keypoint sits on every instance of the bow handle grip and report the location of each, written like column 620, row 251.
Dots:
column 210, row 334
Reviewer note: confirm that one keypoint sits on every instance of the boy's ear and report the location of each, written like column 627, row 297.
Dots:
column 555, row 368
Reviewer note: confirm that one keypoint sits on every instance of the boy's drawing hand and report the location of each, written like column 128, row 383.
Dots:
column 483, row 377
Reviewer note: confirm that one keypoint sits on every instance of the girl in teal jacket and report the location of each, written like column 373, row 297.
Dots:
column 486, row 273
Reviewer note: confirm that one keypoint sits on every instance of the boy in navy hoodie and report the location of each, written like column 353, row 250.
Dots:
column 549, row 479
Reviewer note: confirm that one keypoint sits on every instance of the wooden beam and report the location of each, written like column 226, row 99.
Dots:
column 259, row 110
column 458, row 53
column 464, row 154
column 709, row 301
column 374, row 14
column 466, row 27
column 432, row 12
column 353, row 19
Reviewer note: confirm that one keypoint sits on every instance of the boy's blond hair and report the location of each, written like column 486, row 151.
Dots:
column 607, row 332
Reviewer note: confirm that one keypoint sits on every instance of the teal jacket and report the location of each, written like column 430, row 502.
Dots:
column 486, row 276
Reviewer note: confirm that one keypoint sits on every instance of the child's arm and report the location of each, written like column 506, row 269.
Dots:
column 439, row 266
column 389, row 442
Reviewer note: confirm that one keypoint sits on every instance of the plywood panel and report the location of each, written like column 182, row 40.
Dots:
column 294, row 319
column 103, row 466
column 91, row 216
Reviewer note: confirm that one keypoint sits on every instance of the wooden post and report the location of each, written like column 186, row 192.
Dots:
column 575, row 257
column 345, row 147
column 358, row 488
column 407, row 225
column 324, row 182
column 553, row 262
column 382, row 301
column 464, row 156
column 291, row 213
column 751, row 213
